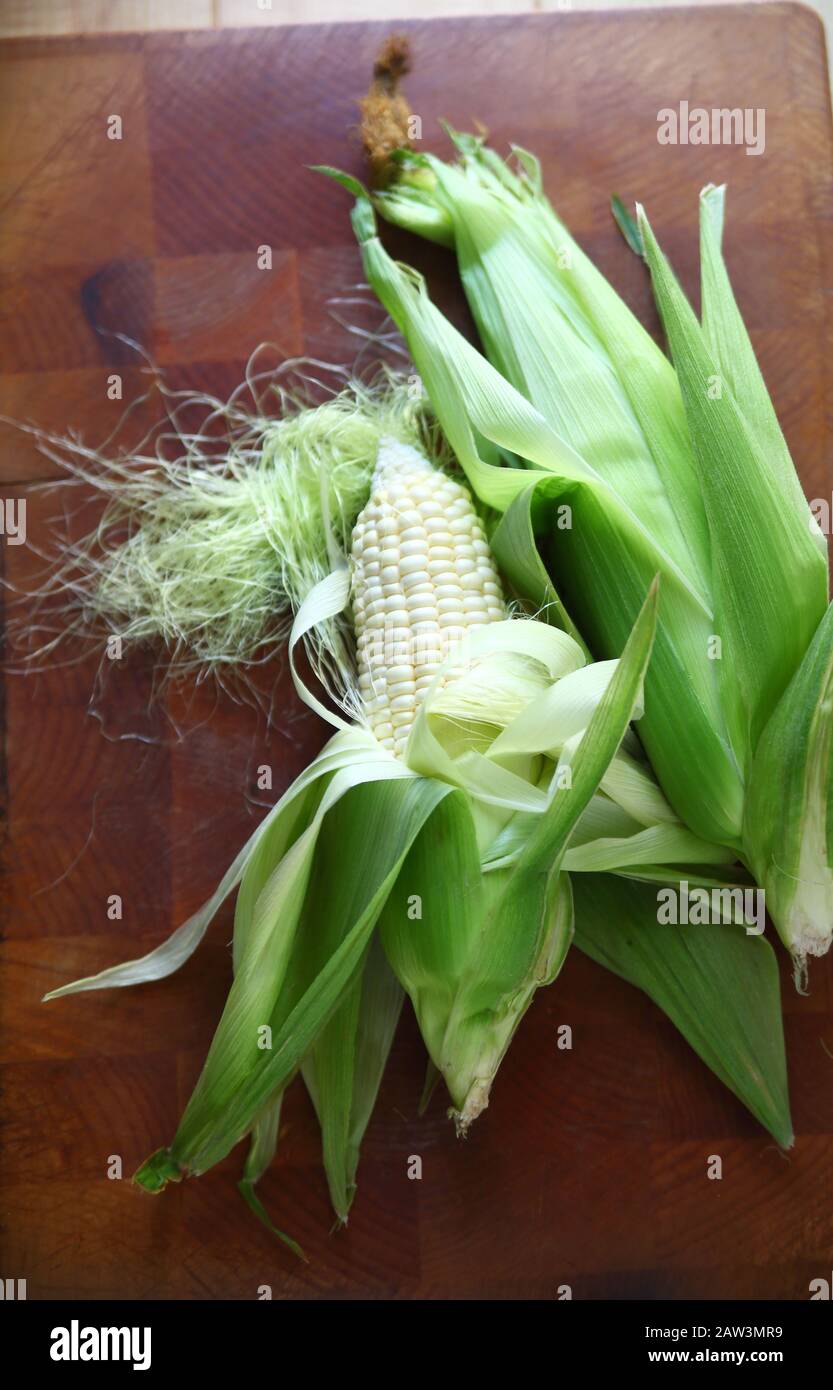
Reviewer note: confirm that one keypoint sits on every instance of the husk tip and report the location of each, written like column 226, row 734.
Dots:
column 246, row 1188
column 476, row 1101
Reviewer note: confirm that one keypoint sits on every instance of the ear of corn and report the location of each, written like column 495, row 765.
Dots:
column 271, row 944
column 684, row 471
column 467, row 780
column 608, row 554
column 423, row 574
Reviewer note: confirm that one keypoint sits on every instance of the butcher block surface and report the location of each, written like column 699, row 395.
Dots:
column 590, row 1167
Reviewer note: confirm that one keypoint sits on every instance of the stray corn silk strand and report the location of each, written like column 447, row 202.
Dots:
column 212, row 551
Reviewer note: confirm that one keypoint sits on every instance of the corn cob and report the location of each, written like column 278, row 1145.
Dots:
column 422, row 576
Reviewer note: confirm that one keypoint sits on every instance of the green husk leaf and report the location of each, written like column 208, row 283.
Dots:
column 789, row 811
column 769, row 576
column 608, row 550
column 696, row 875
column 596, row 748
column 247, row 1191
column 472, row 961
column 608, row 839
column 432, row 1076
column 348, row 181
column 468, row 1004
column 712, row 806
column 718, row 986
column 157, row 1171
column 334, row 887
column 728, row 340
column 276, row 833
column 523, row 568
column 626, row 224
column 529, row 920
column 344, row 1070
column 264, row 1141
column 657, row 844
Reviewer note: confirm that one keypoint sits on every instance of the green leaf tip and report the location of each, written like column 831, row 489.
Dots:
column 348, row 181
column 432, row 1076
column 157, row 1171
column 247, row 1191
column 362, row 216
column 719, row 987
column 627, row 226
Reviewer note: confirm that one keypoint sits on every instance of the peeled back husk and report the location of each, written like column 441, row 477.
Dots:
column 484, row 942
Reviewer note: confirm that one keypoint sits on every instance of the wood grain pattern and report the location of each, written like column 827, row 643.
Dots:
column 589, row 1168
column 42, row 17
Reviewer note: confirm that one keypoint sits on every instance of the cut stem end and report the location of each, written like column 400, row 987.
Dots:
column 157, row 1171
column 475, row 1103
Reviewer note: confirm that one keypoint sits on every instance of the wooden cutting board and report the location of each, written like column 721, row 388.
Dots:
column 589, row 1169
